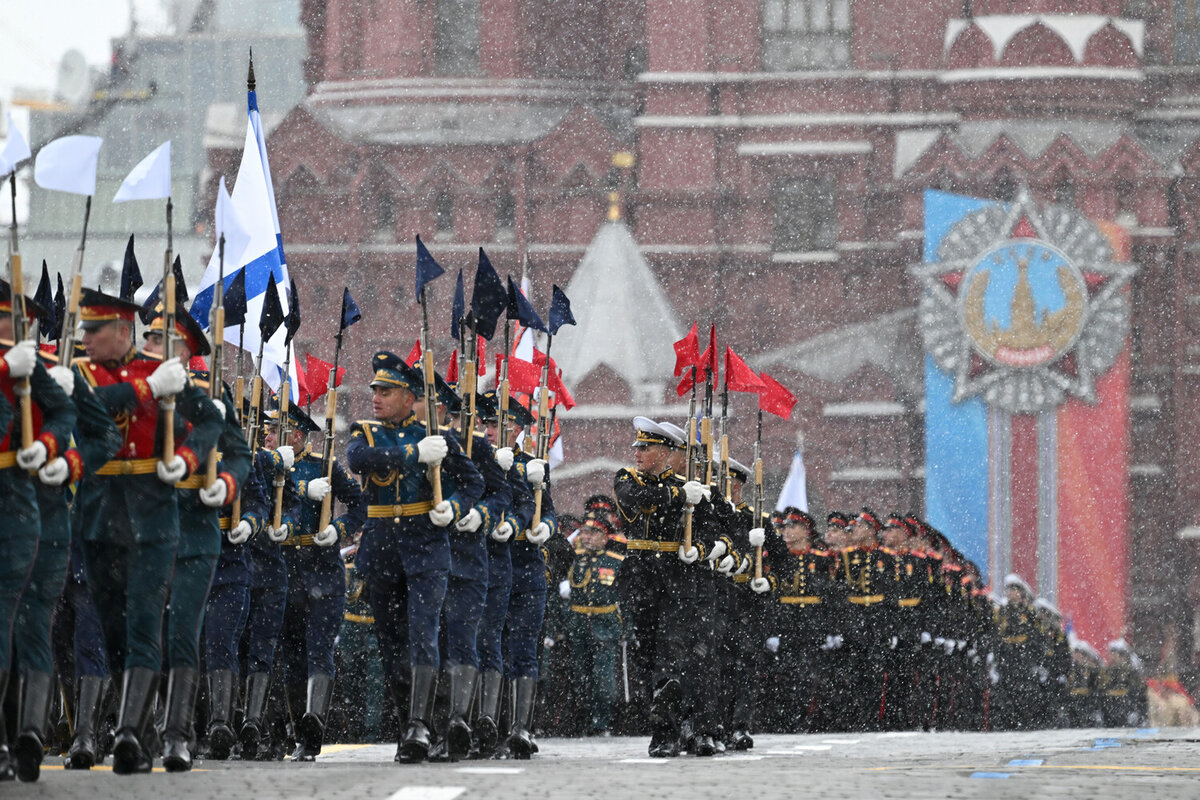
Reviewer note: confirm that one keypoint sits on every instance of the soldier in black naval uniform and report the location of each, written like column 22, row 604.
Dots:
column 657, row 593
column 404, row 554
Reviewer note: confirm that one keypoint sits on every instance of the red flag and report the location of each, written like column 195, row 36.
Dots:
column 738, row 376
column 302, row 394
column 317, row 375
column 481, row 355
column 452, row 367
column 774, row 398
column 523, row 376
column 687, row 351
column 414, row 355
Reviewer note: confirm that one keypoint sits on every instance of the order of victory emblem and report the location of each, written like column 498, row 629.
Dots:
column 1024, row 306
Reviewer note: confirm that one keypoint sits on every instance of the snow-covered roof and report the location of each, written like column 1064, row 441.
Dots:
column 889, row 341
column 1076, row 30
column 415, row 124
column 622, row 315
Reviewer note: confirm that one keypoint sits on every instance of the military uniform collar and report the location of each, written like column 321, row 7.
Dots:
column 124, row 360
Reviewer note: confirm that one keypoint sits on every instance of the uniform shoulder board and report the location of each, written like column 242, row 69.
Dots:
column 614, row 554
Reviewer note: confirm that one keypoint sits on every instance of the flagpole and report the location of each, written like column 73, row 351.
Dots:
column 431, row 426
column 723, row 476
column 759, row 491
column 66, row 339
column 503, row 388
column 690, row 458
column 215, row 381
column 282, row 429
column 167, row 403
column 330, row 418
column 543, row 437
column 16, row 280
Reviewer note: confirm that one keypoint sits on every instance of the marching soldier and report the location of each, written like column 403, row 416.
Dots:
column 199, row 547
column 404, row 554
column 1017, row 654
column 316, row 597
column 485, row 731
column 46, row 571
column 129, row 509
column 1122, row 688
column 656, row 593
column 527, row 598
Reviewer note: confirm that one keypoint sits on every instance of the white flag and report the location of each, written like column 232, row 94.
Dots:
column 795, row 488
column 16, row 149
column 229, row 225
column 150, row 179
column 68, row 164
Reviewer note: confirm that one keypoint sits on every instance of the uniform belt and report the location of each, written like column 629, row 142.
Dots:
column 8, row 459
column 225, row 523
column 595, row 609
column 801, row 600
column 198, row 481
column 359, row 618
column 399, row 510
column 1016, row 639
column 1082, row 690
column 908, row 602
column 652, row 544
column 743, row 578
column 303, row 540
column 865, row 599
column 129, row 466
column 1117, row 692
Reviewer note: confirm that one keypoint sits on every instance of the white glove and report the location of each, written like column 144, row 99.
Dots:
column 894, row 642
column 432, row 449
column 694, row 491
column 689, row 556
column 317, row 489
column 504, row 457
column 64, row 378
column 220, row 406
column 21, row 358
column 56, row 472
column 757, row 537
column 288, row 454
column 535, row 472
column 830, row 643
column 773, row 644
column 167, row 379
column 539, row 534
column 925, row 637
column 760, row 585
column 327, row 537
column 443, row 513
column 470, row 523
column 172, row 471
column 277, row 534
column 548, row 642
column 240, row 533
column 725, row 567
column 215, row 496
column 564, row 590
column 502, row 532
column 718, row 550
column 742, row 567
column 32, row 457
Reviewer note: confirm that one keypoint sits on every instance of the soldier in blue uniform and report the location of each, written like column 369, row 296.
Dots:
column 129, row 509
column 199, row 546
column 527, row 599
column 228, row 607
column 489, row 643
column 404, row 554
column 268, row 591
column 316, row 586
column 467, row 587
column 31, row 573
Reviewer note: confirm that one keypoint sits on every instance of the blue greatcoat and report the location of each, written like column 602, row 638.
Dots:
column 403, row 557
column 527, row 602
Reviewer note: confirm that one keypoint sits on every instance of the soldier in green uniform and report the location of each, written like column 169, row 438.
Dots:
column 128, row 508
column 593, row 621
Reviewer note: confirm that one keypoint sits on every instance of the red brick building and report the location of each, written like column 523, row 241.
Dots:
column 781, row 149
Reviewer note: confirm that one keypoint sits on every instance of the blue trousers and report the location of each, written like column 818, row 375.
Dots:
column 526, row 611
column 461, row 614
column 18, row 548
column 407, row 610
column 90, row 658
column 267, row 607
column 225, row 617
column 495, row 611
column 311, row 624
column 185, row 614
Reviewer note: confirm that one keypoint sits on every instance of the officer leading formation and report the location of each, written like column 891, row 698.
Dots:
column 175, row 560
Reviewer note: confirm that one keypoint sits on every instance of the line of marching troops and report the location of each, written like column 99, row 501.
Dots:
column 871, row 624
column 129, row 575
